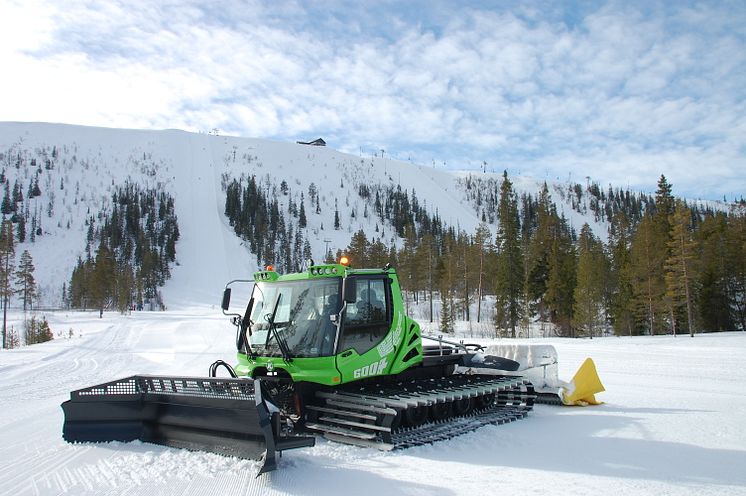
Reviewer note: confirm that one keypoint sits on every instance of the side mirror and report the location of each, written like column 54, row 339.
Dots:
column 226, row 299
column 350, row 295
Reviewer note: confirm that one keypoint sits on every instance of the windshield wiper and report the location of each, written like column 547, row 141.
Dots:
column 246, row 324
column 273, row 329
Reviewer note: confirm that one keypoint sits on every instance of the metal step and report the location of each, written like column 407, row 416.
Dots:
column 359, row 442
column 333, row 429
column 337, row 411
column 359, row 402
column 360, row 425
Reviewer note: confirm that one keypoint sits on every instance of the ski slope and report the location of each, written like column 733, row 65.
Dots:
column 91, row 162
column 672, row 423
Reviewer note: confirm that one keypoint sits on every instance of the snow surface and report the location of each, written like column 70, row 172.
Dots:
column 672, row 423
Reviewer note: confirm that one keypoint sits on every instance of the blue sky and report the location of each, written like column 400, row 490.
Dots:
column 621, row 92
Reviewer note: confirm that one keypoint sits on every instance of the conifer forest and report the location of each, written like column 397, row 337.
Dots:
column 663, row 267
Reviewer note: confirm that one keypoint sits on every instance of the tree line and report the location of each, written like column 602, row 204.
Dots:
column 665, row 268
column 128, row 252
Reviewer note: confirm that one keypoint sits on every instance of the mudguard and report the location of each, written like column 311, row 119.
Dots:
column 225, row 416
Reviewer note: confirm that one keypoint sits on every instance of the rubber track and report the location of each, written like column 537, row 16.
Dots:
column 548, row 399
column 456, row 426
column 340, row 412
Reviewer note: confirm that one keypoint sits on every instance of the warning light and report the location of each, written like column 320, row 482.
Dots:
column 344, row 261
column 270, row 267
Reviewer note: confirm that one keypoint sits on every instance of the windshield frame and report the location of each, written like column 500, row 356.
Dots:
column 304, row 317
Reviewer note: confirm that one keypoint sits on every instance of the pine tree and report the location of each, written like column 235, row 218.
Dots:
column 426, row 256
column 680, row 265
column 7, row 260
column 538, row 250
column 406, row 269
column 378, row 254
column 482, row 246
column 664, row 203
column 38, row 331
column 509, row 273
column 286, row 248
column 307, row 252
column 298, row 259
column 33, row 188
column 125, row 287
column 13, row 340
column 357, row 251
column 463, row 265
column 6, row 208
column 736, row 263
column 102, row 278
column 302, row 215
column 17, row 195
column 312, row 192
column 715, row 307
column 25, row 282
column 647, row 254
column 589, row 292
column 619, row 289
column 21, row 229
column 79, row 290
column 664, row 209
column 65, row 300
column 447, row 281
column 446, row 311
column 561, row 280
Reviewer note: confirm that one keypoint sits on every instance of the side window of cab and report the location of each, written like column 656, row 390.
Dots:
column 368, row 319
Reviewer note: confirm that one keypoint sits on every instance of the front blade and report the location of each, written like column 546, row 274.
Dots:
column 224, row 416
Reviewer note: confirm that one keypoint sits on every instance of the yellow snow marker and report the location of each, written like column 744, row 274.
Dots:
column 583, row 386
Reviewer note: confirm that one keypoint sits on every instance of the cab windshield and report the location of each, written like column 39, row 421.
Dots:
column 305, row 318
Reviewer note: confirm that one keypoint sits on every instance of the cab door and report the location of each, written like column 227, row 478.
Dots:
column 365, row 324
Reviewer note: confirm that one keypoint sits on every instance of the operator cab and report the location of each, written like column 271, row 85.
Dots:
column 321, row 313
column 307, row 315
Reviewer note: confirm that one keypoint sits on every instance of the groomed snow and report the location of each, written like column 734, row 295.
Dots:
column 672, row 423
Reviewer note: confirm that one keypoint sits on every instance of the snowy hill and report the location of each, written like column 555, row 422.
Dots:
column 78, row 168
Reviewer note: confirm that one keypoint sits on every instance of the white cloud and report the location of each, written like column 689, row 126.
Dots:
column 620, row 91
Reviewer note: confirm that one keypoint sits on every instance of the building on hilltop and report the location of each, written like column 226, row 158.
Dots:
column 316, row 142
